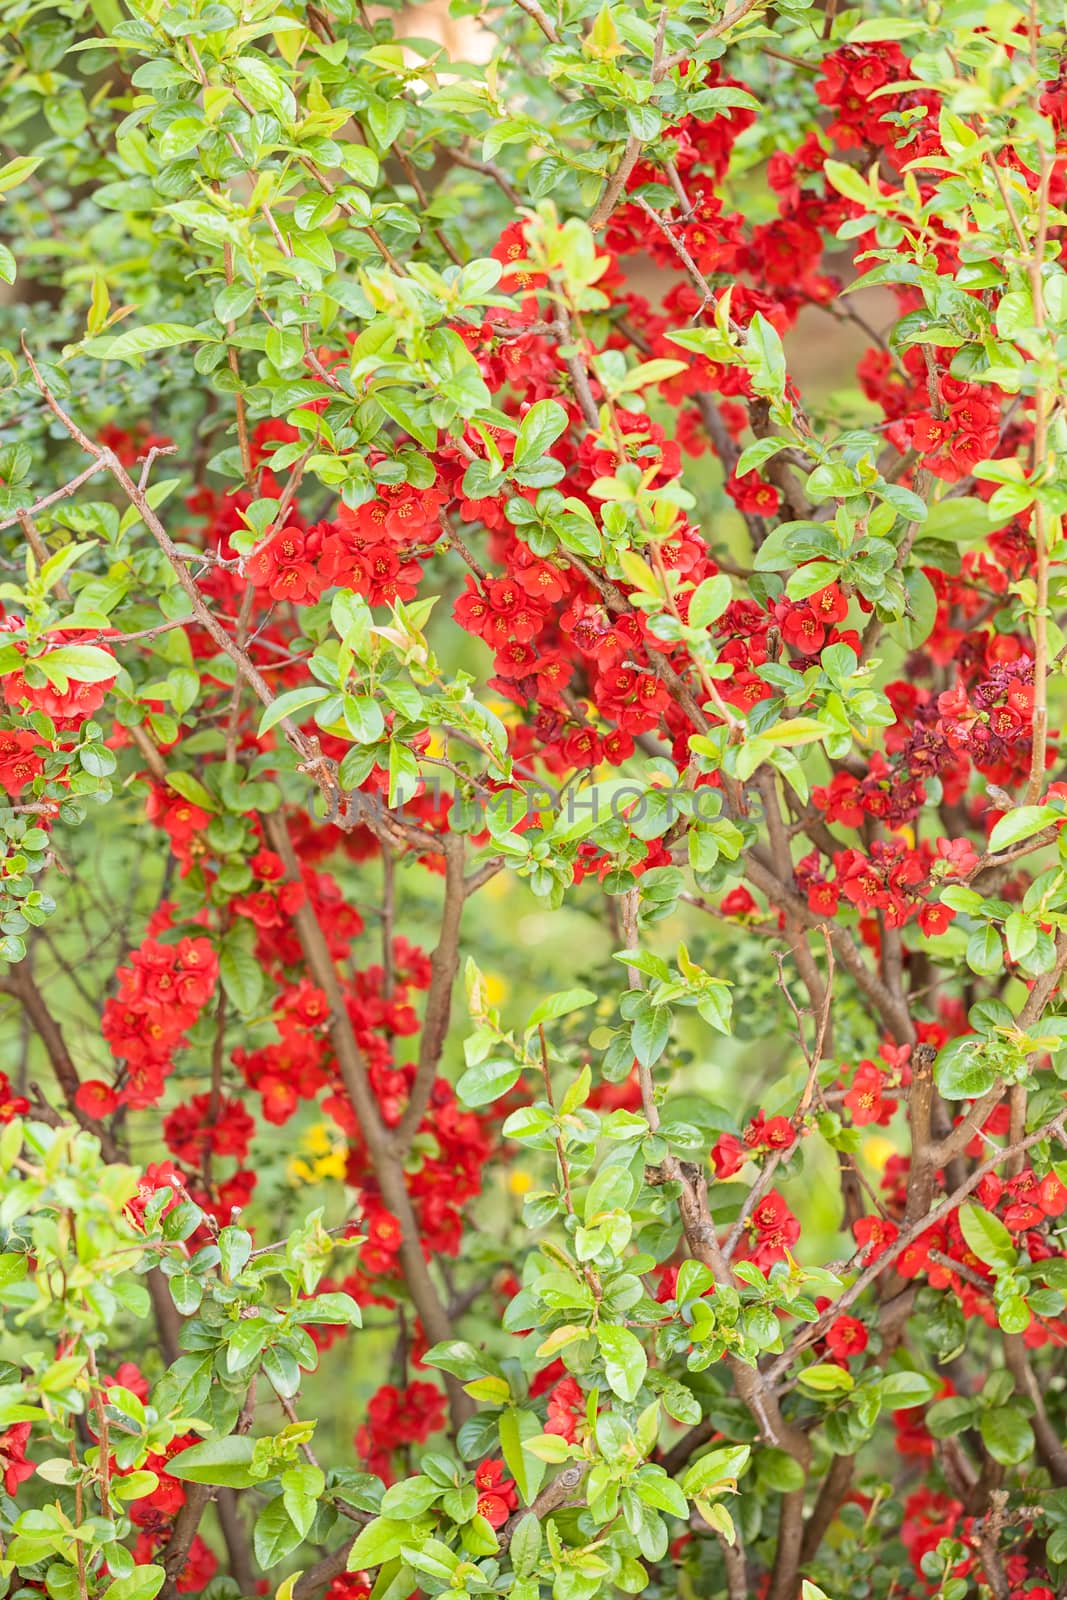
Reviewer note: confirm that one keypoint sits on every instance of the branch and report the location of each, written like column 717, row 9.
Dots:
column 50, row 499
column 815, row 1330
column 788, row 1546
column 895, row 1016
column 331, row 1566
column 314, row 762
column 387, row 1167
column 632, row 152
column 749, row 1382
column 715, row 32
column 552, row 1496
column 186, row 1523
column 835, row 1487
column 443, row 964
column 1050, row 1447
column 544, row 22
column 1044, row 987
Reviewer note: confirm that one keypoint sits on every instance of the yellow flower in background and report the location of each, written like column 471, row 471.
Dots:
column 519, row 1182
column 877, row 1151
column 317, row 1140
column 332, row 1166
column 328, row 1153
column 298, row 1171
column 496, row 988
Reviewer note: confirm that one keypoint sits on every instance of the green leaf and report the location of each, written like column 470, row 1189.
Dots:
column 242, row 976
column 1022, row 822
column 235, row 1247
column 625, row 1362
column 826, row 1378
column 245, row 1343
column 480, row 1085
column 526, row 1469
column 1007, row 1435
column 709, row 600
column 138, row 342
column 525, row 1547
column 847, row 181
column 275, row 1534
column 142, row 1584
column 410, row 1497
column 364, row 718
column 287, row 705
column 766, row 357
column 778, row 1470
column 337, row 1309
column 903, row 1389
column 559, row 1005
column 962, row 1071
column 380, row 1541
column 718, row 1469
column 541, row 427
column 984, row 953
column 17, row 171
column 988, row 1237
column 650, row 1033
column 84, row 663
column 191, row 789
column 226, row 1462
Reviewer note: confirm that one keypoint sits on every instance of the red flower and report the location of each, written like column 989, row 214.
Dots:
column 846, row 1337
column 498, row 1497
column 96, row 1098
column 874, row 1235
column 728, row 1155
column 935, row 919
column 16, row 1469
column 864, row 1099
column 566, row 1408
column 1052, row 1195
column 751, row 494
column 803, row 629
column 18, row 764
column 285, row 566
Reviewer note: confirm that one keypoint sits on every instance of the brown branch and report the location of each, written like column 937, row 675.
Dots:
column 388, row 1170
column 616, row 183
column 50, row 499
column 674, row 1459
column 552, row 1496
column 576, row 368
column 703, row 1243
column 306, row 748
column 444, row 963
column 788, row 1546
column 714, row 32
column 544, row 22
column 814, row 1331
column 331, row 1566
column 184, row 1531
column 760, row 870
column 1050, row 1447
column 235, row 1538
column 1044, row 987
column 491, row 170
column 632, row 152
column 834, row 1488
